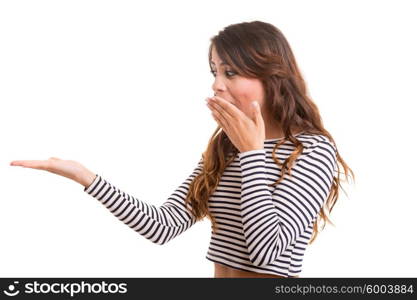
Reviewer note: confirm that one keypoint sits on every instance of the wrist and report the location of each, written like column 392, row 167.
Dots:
column 87, row 178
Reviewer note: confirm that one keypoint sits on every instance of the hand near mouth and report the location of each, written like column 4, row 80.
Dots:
column 245, row 133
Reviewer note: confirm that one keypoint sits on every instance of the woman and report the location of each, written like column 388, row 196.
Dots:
column 268, row 172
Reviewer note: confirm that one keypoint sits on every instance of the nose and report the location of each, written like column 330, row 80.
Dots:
column 218, row 85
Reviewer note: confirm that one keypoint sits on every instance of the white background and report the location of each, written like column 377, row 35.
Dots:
column 120, row 85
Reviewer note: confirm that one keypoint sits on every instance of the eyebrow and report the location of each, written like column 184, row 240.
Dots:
column 222, row 63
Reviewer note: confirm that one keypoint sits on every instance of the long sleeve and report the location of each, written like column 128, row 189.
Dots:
column 158, row 224
column 273, row 222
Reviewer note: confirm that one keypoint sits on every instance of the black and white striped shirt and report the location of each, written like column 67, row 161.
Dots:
column 260, row 228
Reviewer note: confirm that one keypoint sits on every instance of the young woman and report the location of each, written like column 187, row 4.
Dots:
column 269, row 171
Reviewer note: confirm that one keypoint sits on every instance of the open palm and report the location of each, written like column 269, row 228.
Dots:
column 67, row 168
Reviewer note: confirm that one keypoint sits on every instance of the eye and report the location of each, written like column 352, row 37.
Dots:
column 228, row 73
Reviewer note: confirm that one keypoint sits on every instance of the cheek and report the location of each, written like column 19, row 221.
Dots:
column 243, row 102
column 245, row 92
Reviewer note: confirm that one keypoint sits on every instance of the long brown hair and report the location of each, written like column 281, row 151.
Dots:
column 260, row 50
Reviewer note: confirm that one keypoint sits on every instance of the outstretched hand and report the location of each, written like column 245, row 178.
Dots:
column 67, row 168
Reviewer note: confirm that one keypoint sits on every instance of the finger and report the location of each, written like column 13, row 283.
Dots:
column 214, row 114
column 257, row 115
column 220, row 123
column 214, row 105
column 219, row 115
column 35, row 164
column 220, row 119
column 17, row 163
column 229, row 108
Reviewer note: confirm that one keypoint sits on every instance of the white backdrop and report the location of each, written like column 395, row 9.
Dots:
column 120, row 85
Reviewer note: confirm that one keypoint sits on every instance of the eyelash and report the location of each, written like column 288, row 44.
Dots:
column 234, row 73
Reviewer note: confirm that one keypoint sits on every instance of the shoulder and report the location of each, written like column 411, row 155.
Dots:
column 318, row 150
column 318, row 159
column 316, row 142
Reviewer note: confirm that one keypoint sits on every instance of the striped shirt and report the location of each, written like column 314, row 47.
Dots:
column 260, row 228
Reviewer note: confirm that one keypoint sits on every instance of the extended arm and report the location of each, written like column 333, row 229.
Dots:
column 158, row 224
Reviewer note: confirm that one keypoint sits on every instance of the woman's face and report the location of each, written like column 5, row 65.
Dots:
column 234, row 88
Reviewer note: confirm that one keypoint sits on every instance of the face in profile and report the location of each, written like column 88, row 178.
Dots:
column 238, row 90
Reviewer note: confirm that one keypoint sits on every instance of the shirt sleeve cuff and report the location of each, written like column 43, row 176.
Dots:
column 89, row 189
column 252, row 158
column 250, row 152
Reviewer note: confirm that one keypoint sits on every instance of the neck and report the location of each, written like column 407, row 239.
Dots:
column 274, row 131
column 272, row 128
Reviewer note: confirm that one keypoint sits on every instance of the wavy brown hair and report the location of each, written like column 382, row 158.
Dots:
column 260, row 50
